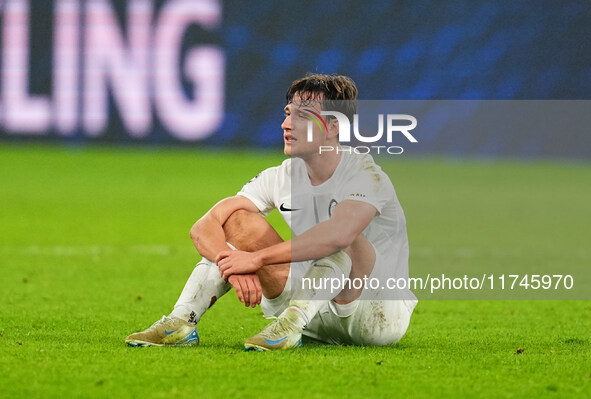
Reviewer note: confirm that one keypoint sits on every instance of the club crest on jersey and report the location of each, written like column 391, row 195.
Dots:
column 331, row 206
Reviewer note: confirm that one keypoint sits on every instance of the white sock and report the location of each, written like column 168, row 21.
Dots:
column 309, row 301
column 204, row 287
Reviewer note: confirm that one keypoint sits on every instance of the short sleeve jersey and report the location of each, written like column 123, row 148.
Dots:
column 357, row 177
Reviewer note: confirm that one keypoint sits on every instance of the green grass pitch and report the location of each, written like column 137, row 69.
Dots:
column 94, row 245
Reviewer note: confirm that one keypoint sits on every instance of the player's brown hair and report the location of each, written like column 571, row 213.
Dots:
column 335, row 92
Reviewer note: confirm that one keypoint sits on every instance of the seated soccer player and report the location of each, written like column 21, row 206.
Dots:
column 347, row 225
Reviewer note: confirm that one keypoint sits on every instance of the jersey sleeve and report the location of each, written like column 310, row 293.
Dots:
column 260, row 190
column 374, row 188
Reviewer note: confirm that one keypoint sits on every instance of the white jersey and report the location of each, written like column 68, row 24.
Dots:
column 287, row 188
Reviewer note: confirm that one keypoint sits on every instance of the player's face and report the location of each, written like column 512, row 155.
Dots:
column 295, row 128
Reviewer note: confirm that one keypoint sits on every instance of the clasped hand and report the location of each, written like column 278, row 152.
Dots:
column 237, row 262
column 239, row 269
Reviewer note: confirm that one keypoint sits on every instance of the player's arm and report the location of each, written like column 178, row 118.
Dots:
column 208, row 232
column 209, row 239
column 349, row 219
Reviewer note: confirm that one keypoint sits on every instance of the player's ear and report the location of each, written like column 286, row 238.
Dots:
column 333, row 128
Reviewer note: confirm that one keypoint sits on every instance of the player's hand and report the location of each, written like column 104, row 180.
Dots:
column 248, row 288
column 237, row 262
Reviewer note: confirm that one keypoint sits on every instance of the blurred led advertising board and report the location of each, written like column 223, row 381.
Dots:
column 112, row 70
column 214, row 72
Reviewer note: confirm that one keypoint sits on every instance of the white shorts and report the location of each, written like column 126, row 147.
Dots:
column 361, row 322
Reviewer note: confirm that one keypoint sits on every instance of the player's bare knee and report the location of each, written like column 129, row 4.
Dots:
column 239, row 226
column 249, row 231
column 238, row 222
